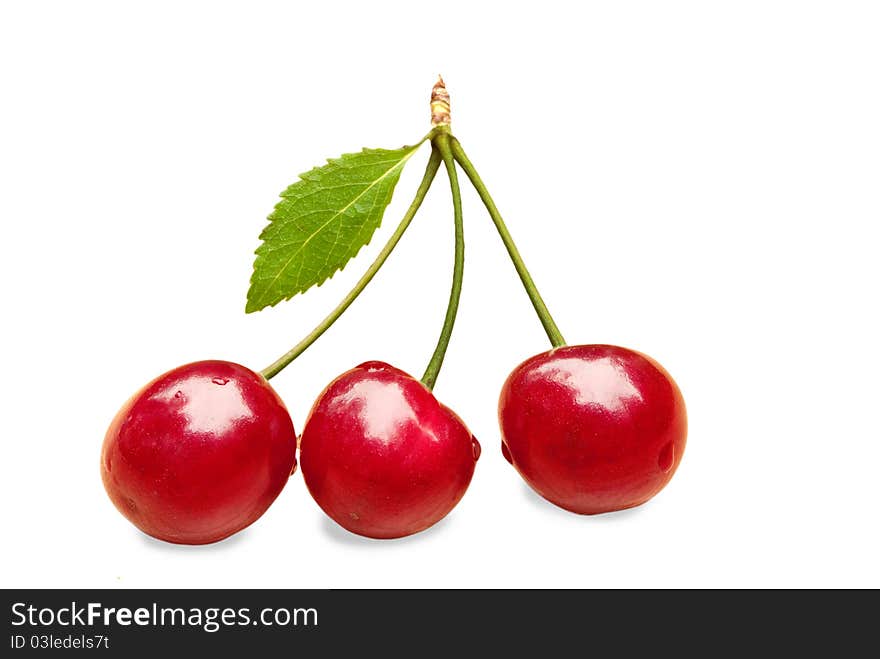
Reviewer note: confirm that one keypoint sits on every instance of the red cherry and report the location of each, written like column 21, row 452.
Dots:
column 381, row 456
column 593, row 428
column 199, row 453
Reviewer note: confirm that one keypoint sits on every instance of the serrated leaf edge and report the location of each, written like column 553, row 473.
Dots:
column 252, row 306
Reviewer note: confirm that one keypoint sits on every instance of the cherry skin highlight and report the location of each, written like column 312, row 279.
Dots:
column 199, row 453
column 593, row 428
column 381, row 456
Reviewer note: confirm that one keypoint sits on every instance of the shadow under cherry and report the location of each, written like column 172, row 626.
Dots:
column 337, row 534
column 537, row 501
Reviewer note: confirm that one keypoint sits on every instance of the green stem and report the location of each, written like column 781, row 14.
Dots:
column 442, row 143
column 430, row 171
column 547, row 321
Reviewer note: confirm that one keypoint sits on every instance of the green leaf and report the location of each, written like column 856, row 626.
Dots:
column 322, row 221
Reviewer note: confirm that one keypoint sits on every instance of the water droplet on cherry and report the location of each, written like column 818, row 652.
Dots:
column 477, row 449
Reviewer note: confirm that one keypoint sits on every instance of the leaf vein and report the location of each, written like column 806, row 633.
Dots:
column 285, row 216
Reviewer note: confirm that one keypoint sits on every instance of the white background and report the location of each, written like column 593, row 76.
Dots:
column 695, row 180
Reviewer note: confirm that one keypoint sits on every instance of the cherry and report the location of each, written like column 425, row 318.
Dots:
column 381, row 456
column 593, row 428
column 199, row 453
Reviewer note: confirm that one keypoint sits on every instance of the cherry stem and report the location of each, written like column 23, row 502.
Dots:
column 430, row 171
column 547, row 321
column 441, row 142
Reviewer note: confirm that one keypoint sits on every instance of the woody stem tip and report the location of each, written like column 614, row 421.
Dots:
column 440, row 104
